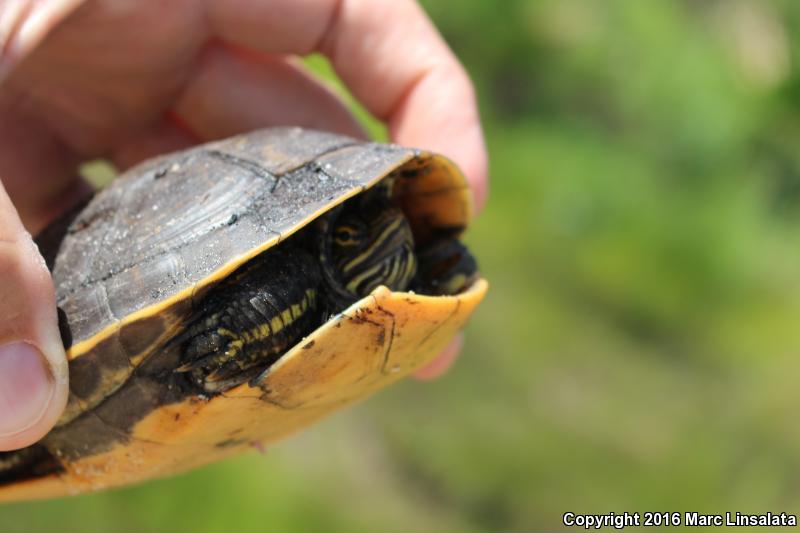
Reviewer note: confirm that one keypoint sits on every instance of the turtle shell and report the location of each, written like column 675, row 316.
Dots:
column 131, row 265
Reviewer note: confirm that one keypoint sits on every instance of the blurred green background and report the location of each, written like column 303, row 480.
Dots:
column 638, row 349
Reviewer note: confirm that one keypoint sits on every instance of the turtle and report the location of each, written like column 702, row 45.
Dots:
column 217, row 299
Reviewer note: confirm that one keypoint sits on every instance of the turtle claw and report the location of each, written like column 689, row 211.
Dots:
column 227, row 377
column 197, row 364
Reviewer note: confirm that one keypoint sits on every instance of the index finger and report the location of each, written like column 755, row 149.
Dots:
column 389, row 55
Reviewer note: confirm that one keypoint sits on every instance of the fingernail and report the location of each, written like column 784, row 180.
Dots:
column 26, row 387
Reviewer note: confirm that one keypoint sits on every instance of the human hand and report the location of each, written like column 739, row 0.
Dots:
column 127, row 79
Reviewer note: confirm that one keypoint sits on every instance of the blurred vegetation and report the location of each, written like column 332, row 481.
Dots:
column 638, row 350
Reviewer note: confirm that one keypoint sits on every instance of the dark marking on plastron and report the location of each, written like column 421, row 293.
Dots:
column 70, row 442
column 84, row 376
column 132, row 402
column 112, row 421
column 137, row 337
column 98, row 373
column 309, row 345
column 28, row 463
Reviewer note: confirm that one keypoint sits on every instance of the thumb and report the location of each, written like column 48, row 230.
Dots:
column 33, row 367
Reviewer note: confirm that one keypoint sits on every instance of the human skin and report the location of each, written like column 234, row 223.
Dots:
column 128, row 79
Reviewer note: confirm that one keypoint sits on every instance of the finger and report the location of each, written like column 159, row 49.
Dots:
column 37, row 170
column 443, row 361
column 234, row 90
column 390, row 56
column 33, row 367
column 170, row 135
column 23, row 25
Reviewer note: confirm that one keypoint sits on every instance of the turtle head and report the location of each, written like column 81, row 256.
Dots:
column 365, row 245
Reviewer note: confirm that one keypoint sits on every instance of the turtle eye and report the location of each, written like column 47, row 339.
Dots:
column 347, row 236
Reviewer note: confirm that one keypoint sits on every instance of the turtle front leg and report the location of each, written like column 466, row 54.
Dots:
column 249, row 320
